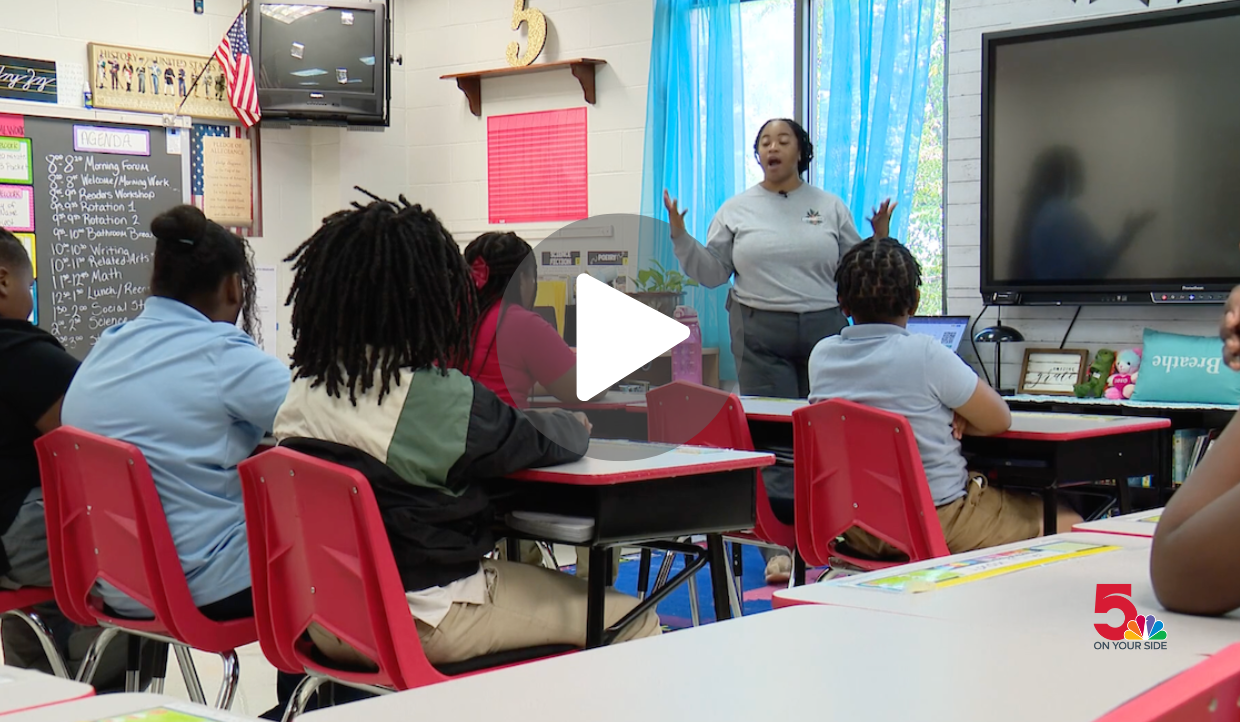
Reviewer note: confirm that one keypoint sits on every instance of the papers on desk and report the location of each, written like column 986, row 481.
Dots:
column 984, row 566
column 175, row 713
column 1150, row 519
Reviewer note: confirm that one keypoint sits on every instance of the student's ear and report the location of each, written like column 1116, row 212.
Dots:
column 6, row 282
column 916, row 304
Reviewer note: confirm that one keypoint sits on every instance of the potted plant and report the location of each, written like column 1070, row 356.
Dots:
column 660, row 288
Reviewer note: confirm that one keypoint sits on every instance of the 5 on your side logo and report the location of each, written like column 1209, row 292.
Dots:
column 1136, row 631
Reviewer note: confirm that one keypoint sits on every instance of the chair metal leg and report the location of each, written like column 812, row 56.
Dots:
column 160, row 668
column 798, row 571
column 301, row 696
column 189, row 673
column 643, row 573
column 548, row 555
column 693, row 601
column 232, row 676
column 90, row 663
column 46, row 640
column 133, row 664
column 734, row 589
column 665, row 569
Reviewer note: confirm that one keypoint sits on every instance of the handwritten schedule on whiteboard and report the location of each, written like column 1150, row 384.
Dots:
column 93, row 213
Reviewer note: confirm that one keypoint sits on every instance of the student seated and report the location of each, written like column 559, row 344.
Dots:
column 877, row 362
column 195, row 394
column 35, row 371
column 514, row 348
column 1197, row 539
column 383, row 313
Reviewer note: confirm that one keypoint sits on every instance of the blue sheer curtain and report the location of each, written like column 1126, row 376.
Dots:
column 870, row 68
column 693, row 144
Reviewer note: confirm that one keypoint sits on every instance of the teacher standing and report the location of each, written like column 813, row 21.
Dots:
column 782, row 240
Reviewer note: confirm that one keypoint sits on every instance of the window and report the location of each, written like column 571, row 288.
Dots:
column 769, row 58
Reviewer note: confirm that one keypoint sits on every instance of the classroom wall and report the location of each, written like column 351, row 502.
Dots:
column 1097, row 327
column 435, row 149
column 60, row 29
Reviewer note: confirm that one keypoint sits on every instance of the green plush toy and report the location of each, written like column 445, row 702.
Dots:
column 1099, row 371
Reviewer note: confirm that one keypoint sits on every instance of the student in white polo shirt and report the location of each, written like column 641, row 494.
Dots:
column 877, row 362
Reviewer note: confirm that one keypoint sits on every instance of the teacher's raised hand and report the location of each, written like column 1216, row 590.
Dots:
column 675, row 216
column 880, row 218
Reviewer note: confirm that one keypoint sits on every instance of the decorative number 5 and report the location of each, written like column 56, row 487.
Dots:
column 536, row 26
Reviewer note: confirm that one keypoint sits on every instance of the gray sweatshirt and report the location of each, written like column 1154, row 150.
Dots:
column 783, row 250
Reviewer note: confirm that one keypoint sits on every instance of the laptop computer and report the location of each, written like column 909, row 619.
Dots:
column 949, row 330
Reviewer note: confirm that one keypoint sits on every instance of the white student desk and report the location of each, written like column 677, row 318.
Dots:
column 635, row 495
column 22, row 689
column 1056, row 597
column 811, row 664
column 1142, row 524
column 125, row 707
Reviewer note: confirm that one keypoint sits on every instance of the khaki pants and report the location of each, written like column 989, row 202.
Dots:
column 984, row 517
column 527, row 606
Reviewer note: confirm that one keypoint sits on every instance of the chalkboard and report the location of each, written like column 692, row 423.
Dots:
column 97, row 186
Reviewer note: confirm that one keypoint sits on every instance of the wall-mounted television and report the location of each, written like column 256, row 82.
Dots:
column 1111, row 159
column 321, row 63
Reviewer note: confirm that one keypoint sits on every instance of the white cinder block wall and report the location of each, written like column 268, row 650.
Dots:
column 435, row 150
column 60, row 29
column 1097, row 327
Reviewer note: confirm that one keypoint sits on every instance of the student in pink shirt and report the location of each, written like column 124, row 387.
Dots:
column 514, row 348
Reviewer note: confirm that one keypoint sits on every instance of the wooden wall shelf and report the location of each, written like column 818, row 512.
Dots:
column 471, row 83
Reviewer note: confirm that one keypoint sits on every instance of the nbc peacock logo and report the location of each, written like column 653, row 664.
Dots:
column 1135, row 631
column 1145, row 628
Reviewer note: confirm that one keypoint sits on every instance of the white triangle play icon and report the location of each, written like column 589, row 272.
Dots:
column 617, row 335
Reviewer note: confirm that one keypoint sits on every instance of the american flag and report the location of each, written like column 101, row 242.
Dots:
column 233, row 55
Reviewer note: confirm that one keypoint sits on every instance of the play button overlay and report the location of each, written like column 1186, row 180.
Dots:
column 617, row 335
column 581, row 284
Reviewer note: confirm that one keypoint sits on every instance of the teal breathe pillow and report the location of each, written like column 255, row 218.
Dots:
column 1185, row 369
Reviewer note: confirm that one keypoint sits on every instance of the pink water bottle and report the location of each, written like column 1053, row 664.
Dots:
column 687, row 355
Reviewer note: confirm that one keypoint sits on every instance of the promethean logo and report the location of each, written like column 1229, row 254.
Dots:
column 1137, row 631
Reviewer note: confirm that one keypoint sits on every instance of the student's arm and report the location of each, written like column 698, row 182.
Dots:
column 549, row 359
column 34, row 377
column 252, row 382
column 958, row 388
column 986, row 413
column 501, row 440
column 1197, row 542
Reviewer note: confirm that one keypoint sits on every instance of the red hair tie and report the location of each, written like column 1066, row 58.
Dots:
column 480, row 272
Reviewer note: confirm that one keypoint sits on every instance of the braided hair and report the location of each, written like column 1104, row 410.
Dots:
column 804, row 144
column 193, row 256
column 878, row 280
column 378, row 289
column 504, row 254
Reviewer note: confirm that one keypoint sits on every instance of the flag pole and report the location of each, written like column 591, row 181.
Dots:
column 245, row 6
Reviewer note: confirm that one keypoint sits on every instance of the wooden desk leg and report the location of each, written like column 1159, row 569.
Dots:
column 595, row 622
column 719, row 576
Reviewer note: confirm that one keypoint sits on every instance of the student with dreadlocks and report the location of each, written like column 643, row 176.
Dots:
column 384, row 309
column 780, row 243
column 877, row 362
column 514, row 348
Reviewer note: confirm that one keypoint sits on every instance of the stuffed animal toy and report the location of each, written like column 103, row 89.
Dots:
column 1124, row 381
column 1099, row 371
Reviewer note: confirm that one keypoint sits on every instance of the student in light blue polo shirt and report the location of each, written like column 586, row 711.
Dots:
column 877, row 362
column 195, row 394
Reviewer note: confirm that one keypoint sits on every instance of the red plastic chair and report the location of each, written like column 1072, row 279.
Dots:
column 859, row 466
column 18, row 604
column 105, row 522
column 319, row 554
column 674, row 411
column 1207, row 692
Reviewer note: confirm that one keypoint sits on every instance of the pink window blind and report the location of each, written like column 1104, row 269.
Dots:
column 537, row 169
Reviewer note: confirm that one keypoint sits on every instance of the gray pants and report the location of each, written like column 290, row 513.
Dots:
column 25, row 543
column 772, row 350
